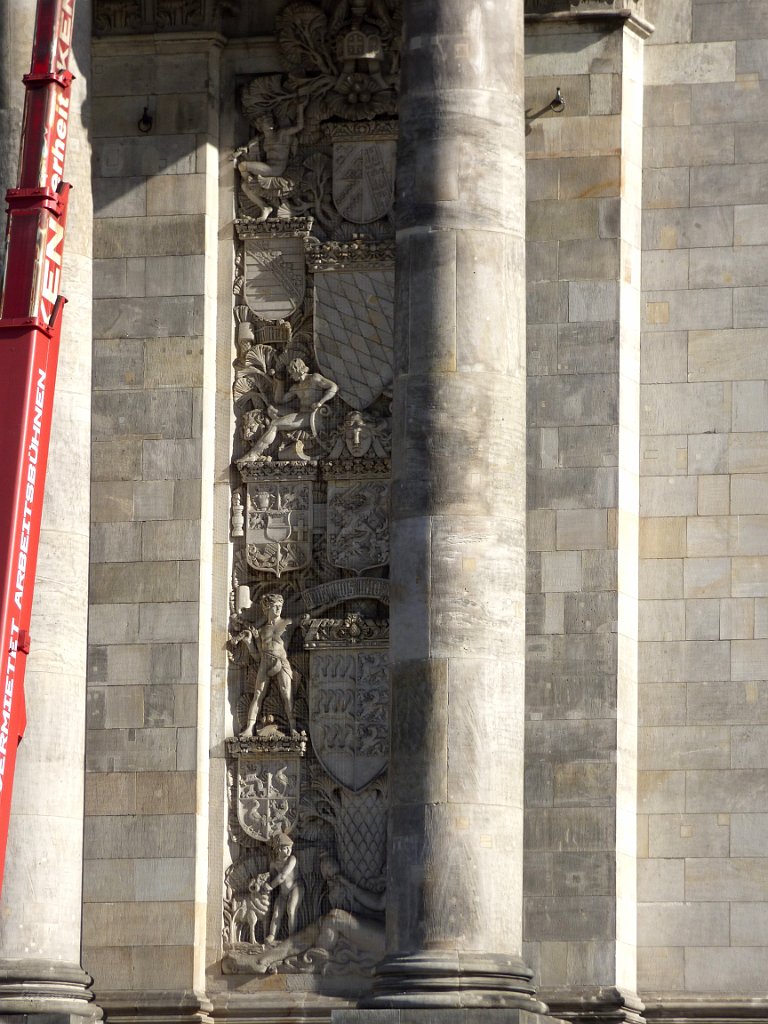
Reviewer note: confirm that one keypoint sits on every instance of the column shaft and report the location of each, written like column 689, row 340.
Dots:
column 40, row 970
column 454, row 922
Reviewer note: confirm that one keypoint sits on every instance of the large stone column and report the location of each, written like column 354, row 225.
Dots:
column 40, row 913
column 454, row 911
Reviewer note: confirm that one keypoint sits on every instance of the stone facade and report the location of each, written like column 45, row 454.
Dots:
column 307, row 450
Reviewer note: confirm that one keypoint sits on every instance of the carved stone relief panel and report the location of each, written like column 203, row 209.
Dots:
column 309, row 679
column 354, row 313
column 278, row 525
column 349, row 698
column 118, row 16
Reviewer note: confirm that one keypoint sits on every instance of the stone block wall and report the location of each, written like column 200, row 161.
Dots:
column 149, row 638
column 689, row 404
column 704, row 543
column 583, row 340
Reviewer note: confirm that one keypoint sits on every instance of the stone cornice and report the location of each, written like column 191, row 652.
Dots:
column 582, row 6
column 619, row 16
column 147, row 43
column 139, row 17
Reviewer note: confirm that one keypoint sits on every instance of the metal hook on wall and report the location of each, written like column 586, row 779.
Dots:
column 556, row 105
column 145, row 121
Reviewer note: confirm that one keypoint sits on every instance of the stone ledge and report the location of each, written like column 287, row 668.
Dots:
column 463, row 1015
column 680, row 1009
column 172, row 1007
column 600, row 1005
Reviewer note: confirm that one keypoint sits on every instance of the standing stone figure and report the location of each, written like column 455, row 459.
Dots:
column 266, row 644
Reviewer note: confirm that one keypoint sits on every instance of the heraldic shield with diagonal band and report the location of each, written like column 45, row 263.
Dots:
column 274, row 276
column 354, row 314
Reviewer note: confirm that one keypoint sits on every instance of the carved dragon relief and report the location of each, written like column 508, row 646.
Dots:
column 313, row 320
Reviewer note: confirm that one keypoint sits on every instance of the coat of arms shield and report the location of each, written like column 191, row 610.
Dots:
column 354, row 318
column 364, row 179
column 358, row 524
column 275, row 276
column 349, row 713
column 278, row 526
column 267, row 795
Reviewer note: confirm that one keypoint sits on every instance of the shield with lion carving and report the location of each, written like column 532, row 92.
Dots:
column 349, row 713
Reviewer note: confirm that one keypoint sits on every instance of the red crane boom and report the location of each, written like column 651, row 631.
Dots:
column 30, row 328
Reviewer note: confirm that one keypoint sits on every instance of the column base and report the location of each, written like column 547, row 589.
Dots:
column 608, row 1005
column 451, row 980
column 46, row 992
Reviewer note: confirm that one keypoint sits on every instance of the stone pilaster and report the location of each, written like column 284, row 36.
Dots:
column 454, row 913
column 584, row 189
column 40, row 972
column 152, row 464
